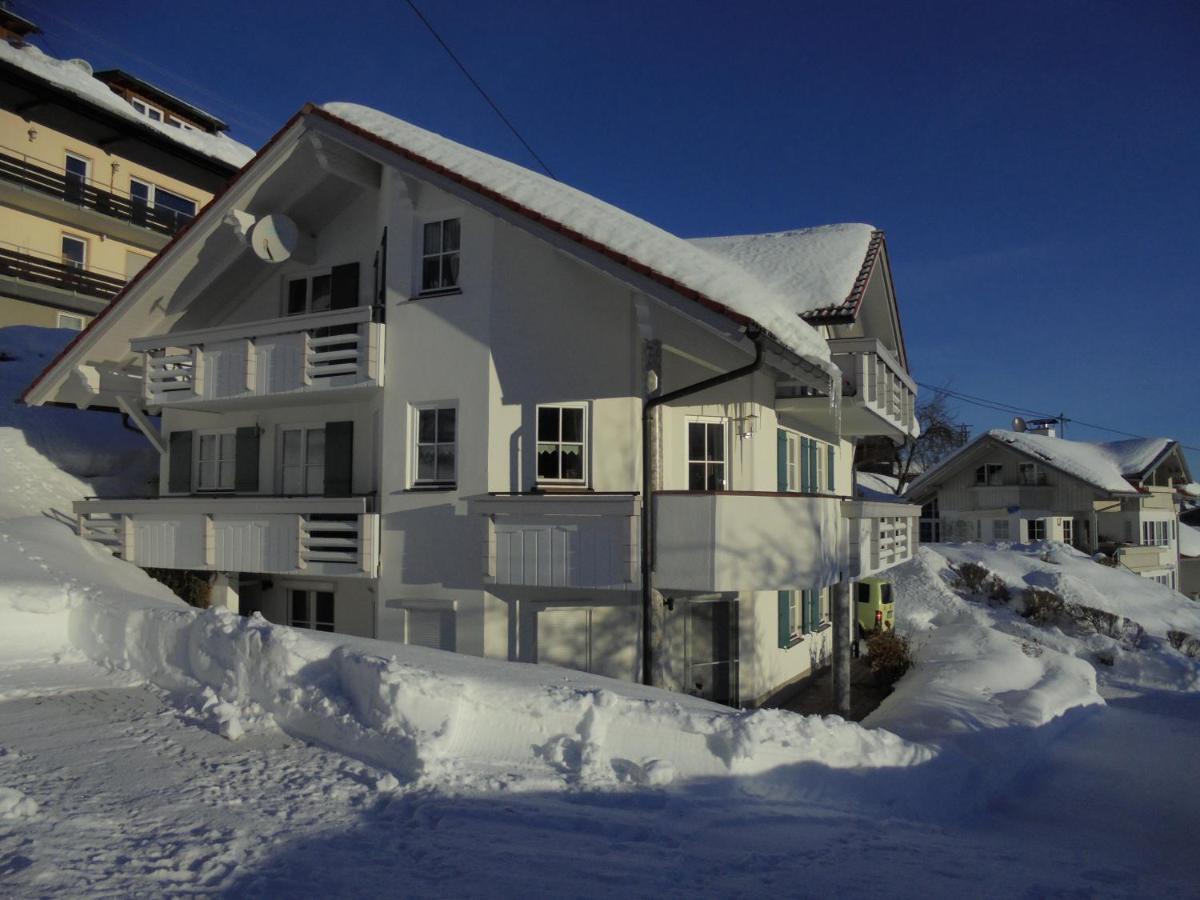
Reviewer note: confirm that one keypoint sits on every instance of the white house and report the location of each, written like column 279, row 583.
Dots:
column 412, row 391
column 1117, row 497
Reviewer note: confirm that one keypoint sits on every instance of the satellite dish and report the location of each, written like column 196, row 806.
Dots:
column 1018, row 424
column 274, row 238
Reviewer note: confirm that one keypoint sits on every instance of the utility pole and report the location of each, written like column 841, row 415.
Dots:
column 842, row 644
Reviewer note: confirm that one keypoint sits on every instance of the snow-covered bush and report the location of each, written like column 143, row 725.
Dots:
column 1043, row 607
column 889, row 656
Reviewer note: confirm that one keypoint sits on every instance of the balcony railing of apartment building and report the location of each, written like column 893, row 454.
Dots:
column 880, row 535
column 281, row 535
column 878, row 395
column 76, row 190
column 1140, row 557
column 43, row 269
column 299, row 355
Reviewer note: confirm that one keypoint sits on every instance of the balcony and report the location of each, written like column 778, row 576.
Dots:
column 50, row 272
column 286, row 536
column 49, row 189
column 337, row 353
column 879, row 535
column 878, row 396
column 722, row 541
column 1141, row 558
column 560, row 540
column 1033, row 497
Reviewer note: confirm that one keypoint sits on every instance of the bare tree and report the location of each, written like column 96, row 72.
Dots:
column 941, row 434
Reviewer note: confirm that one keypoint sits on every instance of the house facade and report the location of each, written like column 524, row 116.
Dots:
column 1118, row 498
column 97, row 172
column 410, row 391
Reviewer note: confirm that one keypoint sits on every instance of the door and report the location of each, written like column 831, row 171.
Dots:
column 564, row 637
column 712, row 645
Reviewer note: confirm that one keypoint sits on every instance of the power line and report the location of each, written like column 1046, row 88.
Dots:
column 479, row 87
column 1000, row 406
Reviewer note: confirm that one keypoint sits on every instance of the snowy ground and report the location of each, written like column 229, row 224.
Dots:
column 149, row 749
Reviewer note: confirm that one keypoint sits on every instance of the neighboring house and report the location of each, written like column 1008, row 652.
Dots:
column 97, row 172
column 1118, row 498
column 1189, row 561
column 412, row 391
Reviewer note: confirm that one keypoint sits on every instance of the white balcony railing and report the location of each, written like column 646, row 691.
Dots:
column 879, row 535
column 294, row 535
column 877, row 382
column 300, row 355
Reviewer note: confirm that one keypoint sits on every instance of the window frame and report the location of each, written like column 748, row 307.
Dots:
column 152, row 190
column 584, row 439
column 309, row 622
column 304, row 428
column 198, row 460
column 989, row 470
column 416, row 443
column 1038, row 479
column 82, row 241
column 1068, row 531
column 440, row 254
column 1007, row 536
column 726, row 447
column 307, row 276
column 1029, row 526
column 59, row 316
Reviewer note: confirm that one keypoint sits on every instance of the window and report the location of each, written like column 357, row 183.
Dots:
column 1030, row 473
column 1068, row 526
column 1156, row 534
column 801, row 613
column 215, row 461
column 807, row 464
column 439, row 255
column 1000, row 530
column 1037, row 529
column 989, row 473
column 310, row 609
column 67, row 320
column 436, row 445
column 167, row 206
column 706, row 456
column 302, row 461
column 560, row 443
column 74, row 251
column 145, row 109
column 310, row 294
column 76, row 177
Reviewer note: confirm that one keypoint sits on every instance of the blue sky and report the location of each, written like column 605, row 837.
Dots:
column 1036, row 166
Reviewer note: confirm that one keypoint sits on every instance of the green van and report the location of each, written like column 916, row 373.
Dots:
column 876, row 610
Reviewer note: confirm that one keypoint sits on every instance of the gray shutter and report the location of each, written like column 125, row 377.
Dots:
column 245, row 477
column 784, row 600
column 344, row 286
column 179, row 463
column 339, row 458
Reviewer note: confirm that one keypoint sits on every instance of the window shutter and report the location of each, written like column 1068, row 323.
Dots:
column 245, row 476
column 814, row 612
column 344, row 286
column 785, row 618
column 179, row 465
column 805, row 623
column 829, row 468
column 781, row 460
column 339, row 458
column 813, row 484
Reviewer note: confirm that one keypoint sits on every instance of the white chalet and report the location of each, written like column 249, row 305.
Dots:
column 1118, row 497
column 412, row 391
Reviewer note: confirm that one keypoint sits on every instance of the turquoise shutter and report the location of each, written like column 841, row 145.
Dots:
column 785, row 624
column 805, row 625
column 805, row 469
column 829, row 468
column 811, row 457
column 814, row 612
column 781, row 460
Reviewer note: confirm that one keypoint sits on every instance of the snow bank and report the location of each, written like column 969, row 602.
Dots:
column 814, row 267
column 1189, row 540
column 726, row 282
column 73, row 78
column 427, row 716
column 49, row 456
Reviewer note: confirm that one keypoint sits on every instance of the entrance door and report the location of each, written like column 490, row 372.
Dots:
column 713, row 651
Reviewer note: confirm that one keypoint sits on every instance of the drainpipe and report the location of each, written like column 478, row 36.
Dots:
column 652, row 614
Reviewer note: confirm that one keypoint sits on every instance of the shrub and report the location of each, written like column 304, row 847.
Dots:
column 1096, row 620
column 1110, row 561
column 193, row 588
column 889, row 656
column 1043, row 607
column 1185, row 643
column 997, row 590
column 970, row 577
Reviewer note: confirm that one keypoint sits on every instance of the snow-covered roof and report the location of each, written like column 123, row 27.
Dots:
column 818, row 269
column 1107, row 466
column 878, row 487
column 1189, row 540
column 620, row 234
column 74, row 78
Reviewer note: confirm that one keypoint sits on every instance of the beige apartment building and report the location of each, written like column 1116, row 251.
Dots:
column 98, row 171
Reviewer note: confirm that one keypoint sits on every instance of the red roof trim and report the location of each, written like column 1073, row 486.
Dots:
column 847, row 310
column 157, row 258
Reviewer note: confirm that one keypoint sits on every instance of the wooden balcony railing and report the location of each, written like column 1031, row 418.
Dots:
column 53, row 273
